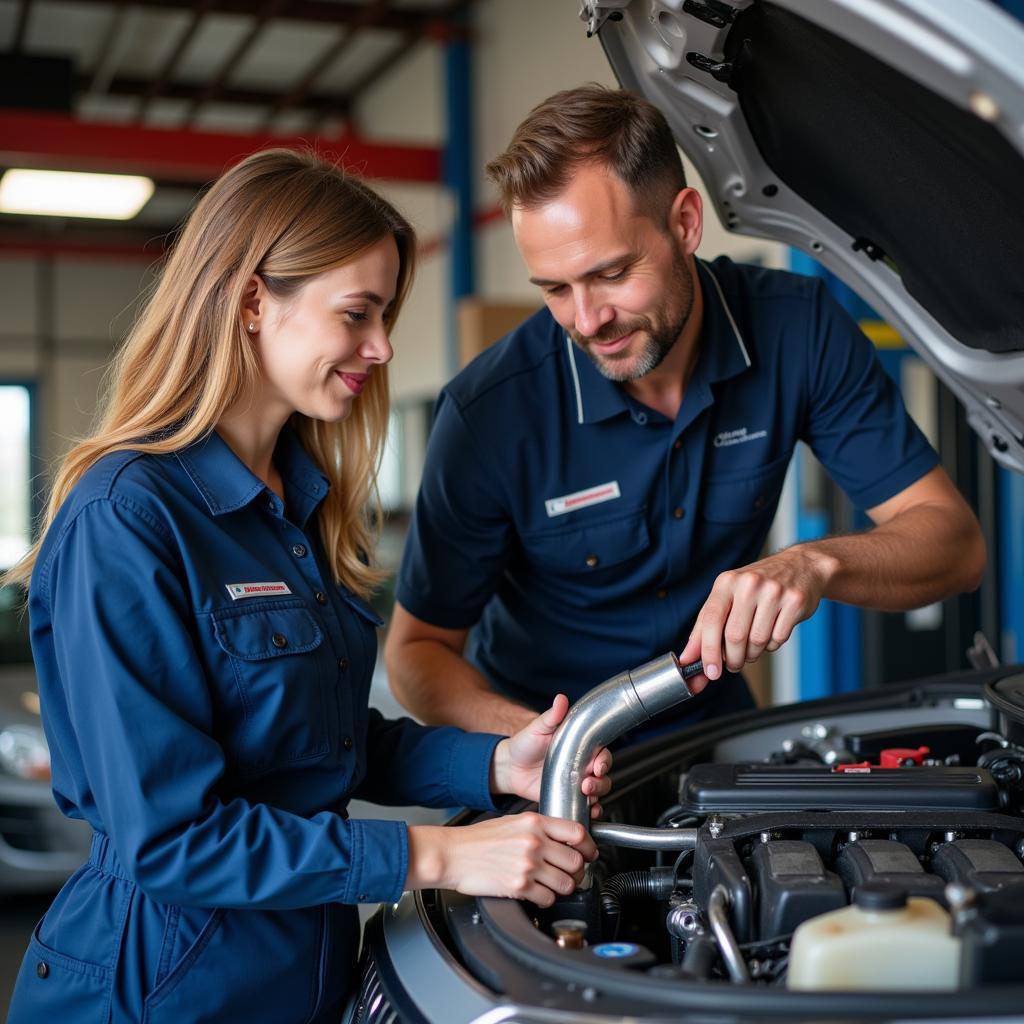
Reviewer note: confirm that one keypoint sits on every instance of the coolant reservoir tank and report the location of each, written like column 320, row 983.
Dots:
column 884, row 941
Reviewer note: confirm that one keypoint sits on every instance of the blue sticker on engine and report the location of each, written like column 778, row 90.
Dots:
column 616, row 950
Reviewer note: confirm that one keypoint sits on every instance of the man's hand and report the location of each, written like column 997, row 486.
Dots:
column 902, row 563
column 755, row 609
column 519, row 760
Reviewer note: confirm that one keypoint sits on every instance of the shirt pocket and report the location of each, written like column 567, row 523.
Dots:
column 603, row 549
column 273, row 652
column 746, row 495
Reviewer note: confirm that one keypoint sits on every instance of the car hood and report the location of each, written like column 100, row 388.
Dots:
column 883, row 137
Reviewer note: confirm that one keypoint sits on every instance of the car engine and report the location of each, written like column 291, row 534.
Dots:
column 843, row 831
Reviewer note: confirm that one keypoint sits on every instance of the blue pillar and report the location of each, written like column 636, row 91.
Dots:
column 1011, row 568
column 830, row 646
column 458, row 178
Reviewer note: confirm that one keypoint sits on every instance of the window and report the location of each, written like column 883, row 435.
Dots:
column 15, row 512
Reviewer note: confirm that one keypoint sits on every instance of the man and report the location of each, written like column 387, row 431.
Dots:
column 598, row 486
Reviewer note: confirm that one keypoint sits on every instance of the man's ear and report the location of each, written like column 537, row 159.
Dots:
column 686, row 220
column 254, row 297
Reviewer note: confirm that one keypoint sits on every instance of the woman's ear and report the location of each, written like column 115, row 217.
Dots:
column 253, row 303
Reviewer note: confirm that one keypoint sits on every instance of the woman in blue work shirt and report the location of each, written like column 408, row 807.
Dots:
column 204, row 647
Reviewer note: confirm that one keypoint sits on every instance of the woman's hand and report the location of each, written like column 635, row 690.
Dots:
column 519, row 760
column 524, row 856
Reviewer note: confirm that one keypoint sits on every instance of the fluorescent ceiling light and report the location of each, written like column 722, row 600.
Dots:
column 73, row 194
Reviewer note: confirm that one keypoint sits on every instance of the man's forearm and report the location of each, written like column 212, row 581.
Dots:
column 441, row 688
column 921, row 556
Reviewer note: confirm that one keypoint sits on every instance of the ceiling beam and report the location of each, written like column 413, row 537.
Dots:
column 109, row 51
column 186, row 155
column 154, row 88
column 374, row 12
column 298, row 96
column 424, row 20
column 212, row 89
column 20, row 26
column 122, row 85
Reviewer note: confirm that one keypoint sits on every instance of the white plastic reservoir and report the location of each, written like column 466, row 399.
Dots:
column 884, row 941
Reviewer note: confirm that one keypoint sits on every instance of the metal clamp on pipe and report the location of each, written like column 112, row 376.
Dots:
column 604, row 714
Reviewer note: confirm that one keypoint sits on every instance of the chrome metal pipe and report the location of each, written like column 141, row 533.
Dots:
column 718, row 918
column 638, row 838
column 604, row 714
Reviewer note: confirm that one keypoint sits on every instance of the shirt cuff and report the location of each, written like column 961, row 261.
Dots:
column 469, row 770
column 380, row 861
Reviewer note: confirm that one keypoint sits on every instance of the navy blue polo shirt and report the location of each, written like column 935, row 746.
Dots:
column 580, row 531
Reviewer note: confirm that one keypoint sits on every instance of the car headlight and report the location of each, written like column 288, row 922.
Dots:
column 24, row 753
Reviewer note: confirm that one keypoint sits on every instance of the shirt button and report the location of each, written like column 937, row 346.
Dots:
column 343, row 664
column 592, row 561
column 661, row 594
column 299, row 550
column 321, row 597
column 641, row 418
column 347, row 742
column 678, row 513
column 279, row 640
column 677, row 443
column 42, row 969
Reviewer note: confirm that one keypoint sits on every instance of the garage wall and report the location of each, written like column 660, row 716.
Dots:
column 523, row 52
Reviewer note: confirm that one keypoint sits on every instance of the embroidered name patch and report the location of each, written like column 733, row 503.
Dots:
column 240, row 590
column 581, row 499
column 728, row 438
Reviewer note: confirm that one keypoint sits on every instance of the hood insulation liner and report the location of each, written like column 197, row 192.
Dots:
column 924, row 184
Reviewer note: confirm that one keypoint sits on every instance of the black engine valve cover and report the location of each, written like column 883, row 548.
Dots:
column 889, row 862
column 980, row 864
column 792, row 885
column 748, row 788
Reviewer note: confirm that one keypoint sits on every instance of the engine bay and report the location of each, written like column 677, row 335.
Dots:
column 841, row 831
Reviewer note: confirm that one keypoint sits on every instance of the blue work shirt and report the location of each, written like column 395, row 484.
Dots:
column 580, row 531
column 204, row 689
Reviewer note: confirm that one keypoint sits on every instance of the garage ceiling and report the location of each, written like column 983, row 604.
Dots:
column 176, row 88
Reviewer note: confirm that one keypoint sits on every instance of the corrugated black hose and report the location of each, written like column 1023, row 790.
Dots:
column 655, row 883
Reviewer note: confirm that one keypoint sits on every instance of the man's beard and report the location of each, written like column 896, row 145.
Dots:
column 659, row 332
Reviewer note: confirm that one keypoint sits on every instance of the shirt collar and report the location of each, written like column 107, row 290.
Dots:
column 226, row 483
column 723, row 351
column 723, row 355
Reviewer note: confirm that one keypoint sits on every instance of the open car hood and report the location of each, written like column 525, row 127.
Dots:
column 883, row 137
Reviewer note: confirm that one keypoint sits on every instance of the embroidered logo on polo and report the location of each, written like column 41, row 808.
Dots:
column 238, row 591
column 581, row 499
column 730, row 437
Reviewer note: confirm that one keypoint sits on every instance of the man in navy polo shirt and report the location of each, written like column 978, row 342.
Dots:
column 599, row 485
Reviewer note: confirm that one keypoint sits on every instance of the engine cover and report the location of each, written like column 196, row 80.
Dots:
column 749, row 788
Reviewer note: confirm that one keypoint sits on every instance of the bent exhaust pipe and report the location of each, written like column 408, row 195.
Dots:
column 604, row 714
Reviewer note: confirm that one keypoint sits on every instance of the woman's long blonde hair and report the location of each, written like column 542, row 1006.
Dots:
column 286, row 216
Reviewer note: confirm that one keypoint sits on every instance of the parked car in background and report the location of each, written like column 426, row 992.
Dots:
column 39, row 847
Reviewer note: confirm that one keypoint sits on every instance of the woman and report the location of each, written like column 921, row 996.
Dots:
column 204, row 647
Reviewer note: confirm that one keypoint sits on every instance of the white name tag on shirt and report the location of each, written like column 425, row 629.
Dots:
column 581, row 499
column 242, row 590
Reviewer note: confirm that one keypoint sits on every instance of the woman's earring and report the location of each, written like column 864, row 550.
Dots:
column 252, row 327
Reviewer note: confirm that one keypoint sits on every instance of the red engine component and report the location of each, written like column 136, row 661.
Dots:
column 891, row 757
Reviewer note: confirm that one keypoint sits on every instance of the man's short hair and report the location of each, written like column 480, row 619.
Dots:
column 587, row 124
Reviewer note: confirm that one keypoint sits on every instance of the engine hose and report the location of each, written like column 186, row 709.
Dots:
column 700, row 956
column 654, row 883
